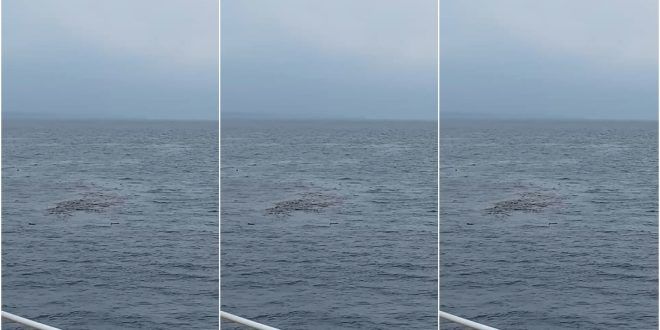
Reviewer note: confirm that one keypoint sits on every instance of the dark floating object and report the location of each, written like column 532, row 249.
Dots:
column 527, row 202
column 552, row 223
column 250, row 224
column 90, row 202
column 309, row 202
column 30, row 223
column 334, row 223
column 114, row 223
column 470, row 224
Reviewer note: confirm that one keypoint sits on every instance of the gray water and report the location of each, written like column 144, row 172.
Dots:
column 585, row 257
column 361, row 253
column 141, row 250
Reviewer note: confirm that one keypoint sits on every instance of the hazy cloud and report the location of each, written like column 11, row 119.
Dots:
column 146, row 58
column 374, row 59
column 370, row 30
column 554, row 58
column 603, row 32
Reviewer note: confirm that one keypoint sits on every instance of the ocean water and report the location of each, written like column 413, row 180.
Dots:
column 110, row 225
column 550, row 224
column 330, row 224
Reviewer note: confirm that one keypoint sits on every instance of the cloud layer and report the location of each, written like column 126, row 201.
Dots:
column 301, row 58
column 85, row 58
column 559, row 58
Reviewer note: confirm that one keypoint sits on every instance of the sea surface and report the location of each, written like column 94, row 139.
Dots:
column 110, row 224
column 550, row 224
column 329, row 224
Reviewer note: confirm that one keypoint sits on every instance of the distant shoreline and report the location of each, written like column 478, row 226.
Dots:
column 5, row 118
column 455, row 116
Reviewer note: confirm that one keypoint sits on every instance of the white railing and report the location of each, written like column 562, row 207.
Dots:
column 465, row 322
column 449, row 317
column 243, row 321
column 246, row 322
column 25, row 322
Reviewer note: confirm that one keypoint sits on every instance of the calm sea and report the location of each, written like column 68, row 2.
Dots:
column 550, row 224
column 330, row 224
column 111, row 224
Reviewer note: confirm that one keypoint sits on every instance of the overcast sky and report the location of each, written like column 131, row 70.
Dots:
column 342, row 58
column 549, row 58
column 118, row 59
column 332, row 59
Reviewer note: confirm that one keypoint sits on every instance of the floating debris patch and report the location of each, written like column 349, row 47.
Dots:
column 527, row 202
column 90, row 202
column 308, row 202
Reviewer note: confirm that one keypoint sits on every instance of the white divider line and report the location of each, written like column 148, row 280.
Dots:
column 465, row 322
column 23, row 321
column 240, row 320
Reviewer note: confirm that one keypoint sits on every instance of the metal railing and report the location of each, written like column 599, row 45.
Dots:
column 464, row 322
column 25, row 322
column 246, row 322
column 449, row 317
column 40, row 326
column 243, row 321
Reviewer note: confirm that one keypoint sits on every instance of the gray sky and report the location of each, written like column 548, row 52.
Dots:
column 332, row 59
column 549, row 58
column 117, row 59
column 343, row 58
